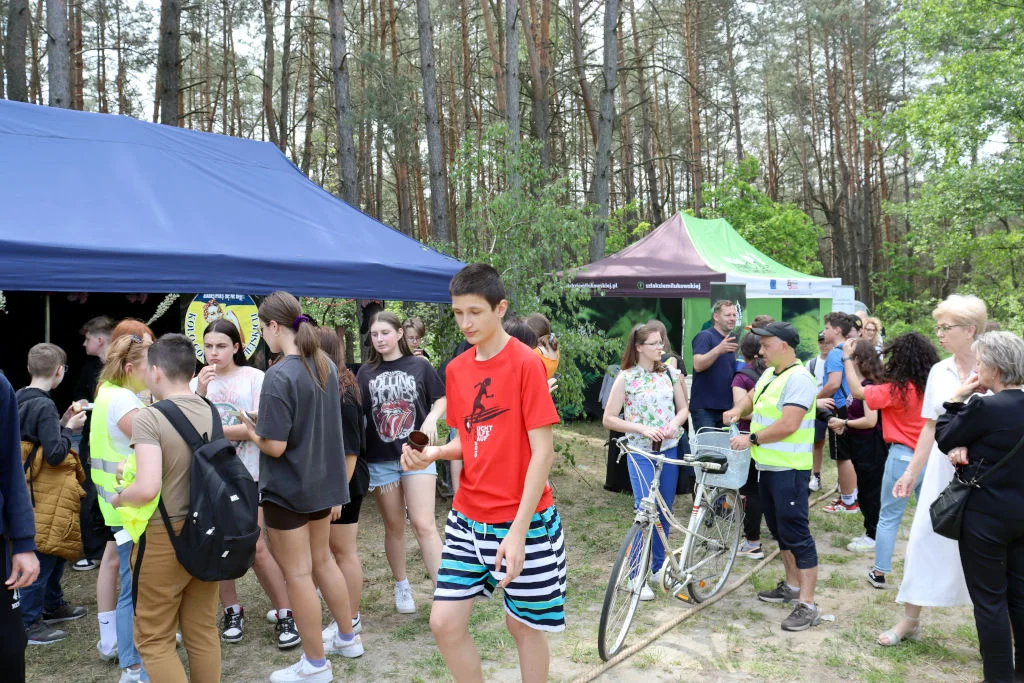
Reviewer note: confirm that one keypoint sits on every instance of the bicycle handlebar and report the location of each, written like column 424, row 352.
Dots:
column 624, row 448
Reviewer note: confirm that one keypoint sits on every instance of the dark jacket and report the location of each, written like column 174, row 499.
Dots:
column 40, row 424
column 17, row 523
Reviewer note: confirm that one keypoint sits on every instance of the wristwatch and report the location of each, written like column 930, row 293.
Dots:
column 753, row 439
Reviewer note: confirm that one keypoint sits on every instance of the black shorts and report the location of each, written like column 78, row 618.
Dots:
column 283, row 519
column 350, row 511
column 839, row 446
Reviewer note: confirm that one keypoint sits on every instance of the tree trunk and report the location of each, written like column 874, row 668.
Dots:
column 122, row 69
column 497, row 61
column 339, row 67
column 14, row 49
column 168, row 61
column 646, row 151
column 536, row 51
column 512, row 88
column 35, row 85
column 101, row 63
column 307, row 143
column 581, row 72
column 269, row 120
column 691, row 31
column 467, row 113
column 600, row 185
column 58, row 58
column 626, row 129
column 77, row 60
column 730, row 46
column 435, row 150
column 286, row 50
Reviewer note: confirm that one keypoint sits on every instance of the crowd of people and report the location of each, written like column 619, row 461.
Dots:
column 317, row 439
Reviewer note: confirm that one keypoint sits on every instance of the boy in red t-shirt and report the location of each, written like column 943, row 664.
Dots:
column 500, row 406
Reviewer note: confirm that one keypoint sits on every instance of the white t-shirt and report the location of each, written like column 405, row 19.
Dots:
column 238, row 391
column 122, row 402
column 818, row 370
column 943, row 381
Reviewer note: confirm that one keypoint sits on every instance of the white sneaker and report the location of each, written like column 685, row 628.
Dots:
column 329, row 632
column 304, row 672
column 107, row 656
column 352, row 649
column 645, row 591
column 272, row 616
column 357, row 624
column 403, row 599
column 863, row 544
column 131, row 675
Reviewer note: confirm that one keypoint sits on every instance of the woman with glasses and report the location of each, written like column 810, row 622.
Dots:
column 872, row 332
column 652, row 400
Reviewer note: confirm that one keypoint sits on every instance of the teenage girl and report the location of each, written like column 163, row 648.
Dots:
column 547, row 343
column 345, row 518
column 232, row 385
column 401, row 393
column 415, row 331
column 301, row 479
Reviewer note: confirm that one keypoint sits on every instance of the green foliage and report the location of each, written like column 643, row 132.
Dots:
column 782, row 231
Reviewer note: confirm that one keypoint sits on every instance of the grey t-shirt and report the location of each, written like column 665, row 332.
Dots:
column 310, row 475
column 800, row 390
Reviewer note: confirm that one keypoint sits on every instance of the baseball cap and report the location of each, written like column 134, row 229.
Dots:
column 821, row 336
column 783, row 331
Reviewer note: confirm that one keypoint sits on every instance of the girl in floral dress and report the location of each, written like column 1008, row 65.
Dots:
column 653, row 405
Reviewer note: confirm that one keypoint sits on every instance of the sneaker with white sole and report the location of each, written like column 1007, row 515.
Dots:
column 304, row 672
column 751, row 551
column 801, row 618
column 645, row 590
column 287, row 633
column 863, row 544
column 85, row 565
column 839, row 506
column 403, row 599
column 350, row 649
column 781, row 593
column 357, row 624
column 233, row 625
column 131, row 675
column 328, row 633
column 40, row 633
column 106, row 655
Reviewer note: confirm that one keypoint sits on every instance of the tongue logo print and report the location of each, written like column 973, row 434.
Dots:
column 393, row 396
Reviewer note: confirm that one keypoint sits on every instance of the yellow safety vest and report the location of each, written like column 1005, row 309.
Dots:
column 135, row 519
column 796, row 450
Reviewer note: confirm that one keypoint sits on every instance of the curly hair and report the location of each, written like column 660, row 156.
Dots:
column 909, row 359
column 865, row 357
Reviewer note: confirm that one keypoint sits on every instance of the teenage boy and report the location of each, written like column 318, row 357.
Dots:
column 781, row 440
column 19, row 565
column 714, row 365
column 168, row 596
column 503, row 513
column 837, row 329
column 46, row 441
column 816, row 366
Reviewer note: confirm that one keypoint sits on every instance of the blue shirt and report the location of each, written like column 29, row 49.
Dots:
column 712, row 388
column 834, row 363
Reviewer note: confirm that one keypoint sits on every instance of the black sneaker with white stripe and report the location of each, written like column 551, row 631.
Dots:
column 287, row 633
column 234, row 625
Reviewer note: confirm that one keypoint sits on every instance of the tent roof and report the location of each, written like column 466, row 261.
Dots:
column 96, row 202
column 684, row 255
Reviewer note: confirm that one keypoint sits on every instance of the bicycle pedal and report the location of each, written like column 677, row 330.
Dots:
column 682, row 595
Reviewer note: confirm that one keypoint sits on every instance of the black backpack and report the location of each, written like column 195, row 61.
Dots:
column 218, row 540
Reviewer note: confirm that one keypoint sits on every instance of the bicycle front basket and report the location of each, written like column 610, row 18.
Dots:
column 717, row 442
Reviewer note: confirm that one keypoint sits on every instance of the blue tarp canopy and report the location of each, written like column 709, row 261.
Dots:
column 103, row 203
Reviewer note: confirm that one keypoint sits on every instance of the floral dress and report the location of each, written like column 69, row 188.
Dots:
column 650, row 401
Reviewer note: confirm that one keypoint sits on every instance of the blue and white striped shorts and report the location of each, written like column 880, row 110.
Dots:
column 536, row 597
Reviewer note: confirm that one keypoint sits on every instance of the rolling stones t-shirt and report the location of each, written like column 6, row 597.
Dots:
column 397, row 395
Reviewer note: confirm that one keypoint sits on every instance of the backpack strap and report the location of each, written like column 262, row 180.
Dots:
column 186, row 430
column 138, row 568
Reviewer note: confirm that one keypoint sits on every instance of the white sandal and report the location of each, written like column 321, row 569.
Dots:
column 894, row 638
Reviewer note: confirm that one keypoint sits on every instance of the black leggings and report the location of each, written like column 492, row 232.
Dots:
column 14, row 640
column 752, row 506
column 868, row 454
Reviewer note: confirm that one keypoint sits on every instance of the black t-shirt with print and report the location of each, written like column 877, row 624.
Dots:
column 397, row 395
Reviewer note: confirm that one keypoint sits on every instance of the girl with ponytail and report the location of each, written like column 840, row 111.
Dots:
column 302, row 476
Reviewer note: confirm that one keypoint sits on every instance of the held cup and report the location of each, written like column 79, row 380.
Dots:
column 418, row 440
column 656, row 446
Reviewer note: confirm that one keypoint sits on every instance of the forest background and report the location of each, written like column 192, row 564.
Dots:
column 874, row 140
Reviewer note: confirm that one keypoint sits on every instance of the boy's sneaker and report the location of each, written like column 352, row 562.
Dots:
column 233, row 625
column 131, row 675
column 801, row 618
column 287, row 634
column 751, row 551
column 350, row 649
column 876, row 580
column 838, row 505
column 815, row 483
column 40, row 634
column 85, row 565
column 304, row 672
column 863, row 544
column 403, row 599
column 63, row 613
column 781, row 593
column 106, row 656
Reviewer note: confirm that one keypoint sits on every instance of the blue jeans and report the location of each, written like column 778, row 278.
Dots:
column 641, row 474
column 127, row 655
column 892, row 510
column 706, row 417
column 45, row 593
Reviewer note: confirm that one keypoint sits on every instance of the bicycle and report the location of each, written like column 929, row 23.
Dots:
column 700, row 567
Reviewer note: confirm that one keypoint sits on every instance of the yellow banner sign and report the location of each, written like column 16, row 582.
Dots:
column 238, row 308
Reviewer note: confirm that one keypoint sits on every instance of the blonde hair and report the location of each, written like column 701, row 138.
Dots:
column 964, row 310
column 125, row 350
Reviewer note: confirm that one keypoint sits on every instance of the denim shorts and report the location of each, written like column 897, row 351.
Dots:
column 385, row 474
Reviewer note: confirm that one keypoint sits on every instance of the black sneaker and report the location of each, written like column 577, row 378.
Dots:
column 801, row 618
column 41, row 634
column 287, row 634
column 63, row 613
column 781, row 593
column 877, row 580
column 85, row 565
column 234, row 625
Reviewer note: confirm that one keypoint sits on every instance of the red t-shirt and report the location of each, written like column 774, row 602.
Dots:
column 494, row 403
column 901, row 420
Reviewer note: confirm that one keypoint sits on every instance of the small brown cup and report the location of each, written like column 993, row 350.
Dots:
column 418, row 440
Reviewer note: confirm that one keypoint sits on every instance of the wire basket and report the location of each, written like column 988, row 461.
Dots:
column 717, row 442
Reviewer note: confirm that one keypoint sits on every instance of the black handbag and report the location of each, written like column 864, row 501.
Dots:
column 947, row 511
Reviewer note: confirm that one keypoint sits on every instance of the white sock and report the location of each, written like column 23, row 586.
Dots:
column 404, row 583
column 809, row 604
column 233, row 609
column 108, row 629
column 850, row 499
column 793, row 588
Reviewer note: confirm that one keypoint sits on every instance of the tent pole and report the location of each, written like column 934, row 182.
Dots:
column 46, row 329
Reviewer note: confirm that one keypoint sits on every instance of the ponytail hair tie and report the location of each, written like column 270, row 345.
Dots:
column 298, row 322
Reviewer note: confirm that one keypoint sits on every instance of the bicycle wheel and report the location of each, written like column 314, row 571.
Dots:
column 622, row 596
column 713, row 550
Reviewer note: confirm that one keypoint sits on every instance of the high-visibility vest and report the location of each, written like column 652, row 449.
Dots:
column 135, row 519
column 796, row 450
column 104, row 456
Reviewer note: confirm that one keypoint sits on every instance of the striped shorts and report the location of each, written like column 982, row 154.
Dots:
column 536, row 597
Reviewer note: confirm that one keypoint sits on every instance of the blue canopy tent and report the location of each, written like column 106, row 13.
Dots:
column 103, row 203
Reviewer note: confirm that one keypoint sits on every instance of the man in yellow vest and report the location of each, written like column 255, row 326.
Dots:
column 781, row 439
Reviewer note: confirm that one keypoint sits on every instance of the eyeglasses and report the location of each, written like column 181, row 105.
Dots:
column 657, row 345
column 66, row 367
column 944, row 329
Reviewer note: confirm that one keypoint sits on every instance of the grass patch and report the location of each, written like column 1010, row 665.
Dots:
column 830, row 560
column 646, row 660
column 839, row 581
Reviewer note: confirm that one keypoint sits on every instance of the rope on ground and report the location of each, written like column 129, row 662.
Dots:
column 666, row 627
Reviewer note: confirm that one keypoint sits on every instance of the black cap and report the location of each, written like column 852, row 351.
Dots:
column 783, row 331
column 821, row 336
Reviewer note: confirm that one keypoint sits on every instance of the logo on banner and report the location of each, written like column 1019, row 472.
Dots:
column 240, row 309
